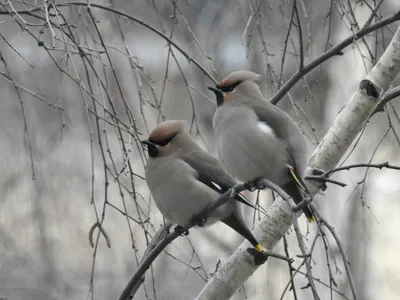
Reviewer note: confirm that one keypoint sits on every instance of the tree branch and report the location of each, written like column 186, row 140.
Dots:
column 162, row 239
column 319, row 178
column 346, row 261
column 110, row 9
column 353, row 166
column 138, row 278
column 307, row 257
column 324, row 177
column 336, row 50
column 388, row 96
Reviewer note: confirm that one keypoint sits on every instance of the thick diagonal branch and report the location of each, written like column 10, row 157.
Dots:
column 163, row 239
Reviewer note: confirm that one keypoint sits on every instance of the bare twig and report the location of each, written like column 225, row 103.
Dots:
column 263, row 183
column 336, row 50
column 388, row 96
column 137, row 278
column 286, row 43
column 346, row 261
column 301, row 50
column 134, row 284
column 324, row 180
column 101, row 229
column 183, row 52
column 349, row 167
column 27, row 137
column 292, row 287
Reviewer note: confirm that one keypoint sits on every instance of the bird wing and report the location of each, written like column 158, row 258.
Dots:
column 297, row 178
column 211, row 173
column 272, row 116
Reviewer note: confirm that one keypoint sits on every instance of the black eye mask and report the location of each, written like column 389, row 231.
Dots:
column 220, row 90
column 164, row 142
column 228, row 86
column 227, row 89
column 152, row 148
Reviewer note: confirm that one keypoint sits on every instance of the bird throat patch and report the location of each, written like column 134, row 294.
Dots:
column 227, row 97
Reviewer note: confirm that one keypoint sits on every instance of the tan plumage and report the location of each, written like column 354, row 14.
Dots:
column 257, row 139
column 184, row 179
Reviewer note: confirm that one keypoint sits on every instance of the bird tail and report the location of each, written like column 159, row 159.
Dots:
column 292, row 188
column 300, row 182
column 237, row 223
column 242, row 199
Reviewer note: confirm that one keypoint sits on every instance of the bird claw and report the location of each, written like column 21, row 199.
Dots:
column 259, row 257
column 318, row 172
column 180, row 230
column 255, row 184
column 200, row 221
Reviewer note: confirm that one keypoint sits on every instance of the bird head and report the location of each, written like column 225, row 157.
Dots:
column 163, row 137
column 241, row 79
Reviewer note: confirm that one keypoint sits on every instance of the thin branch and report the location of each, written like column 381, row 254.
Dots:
column 324, row 284
column 300, row 37
column 264, row 183
column 324, row 180
column 291, row 281
column 349, row 167
column 346, row 261
column 137, row 278
column 286, row 44
column 27, row 137
column 155, row 30
column 336, row 50
column 389, row 95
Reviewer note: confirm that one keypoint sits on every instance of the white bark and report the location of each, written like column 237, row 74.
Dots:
column 239, row 267
column 355, row 114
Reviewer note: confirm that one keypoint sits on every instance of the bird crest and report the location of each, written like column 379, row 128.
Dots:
column 166, row 130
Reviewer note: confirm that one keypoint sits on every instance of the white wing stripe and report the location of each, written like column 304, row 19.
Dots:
column 264, row 127
column 216, row 185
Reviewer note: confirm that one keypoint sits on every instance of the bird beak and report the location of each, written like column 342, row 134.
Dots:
column 148, row 143
column 152, row 148
column 214, row 89
column 219, row 94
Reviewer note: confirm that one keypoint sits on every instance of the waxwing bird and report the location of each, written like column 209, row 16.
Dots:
column 256, row 139
column 184, row 179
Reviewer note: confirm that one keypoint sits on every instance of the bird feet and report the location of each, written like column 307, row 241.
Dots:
column 180, row 230
column 318, row 172
column 255, row 184
column 199, row 221
column 259, row 257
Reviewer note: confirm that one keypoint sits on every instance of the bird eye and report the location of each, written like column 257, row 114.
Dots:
column 228, row 86
column 166, row 141
column 153, row 151
column 152, row 148
column 227, row 89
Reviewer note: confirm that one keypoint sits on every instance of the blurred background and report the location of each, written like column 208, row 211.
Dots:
column 78, row 90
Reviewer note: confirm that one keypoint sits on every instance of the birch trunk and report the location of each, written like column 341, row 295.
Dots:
column 239, row 267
